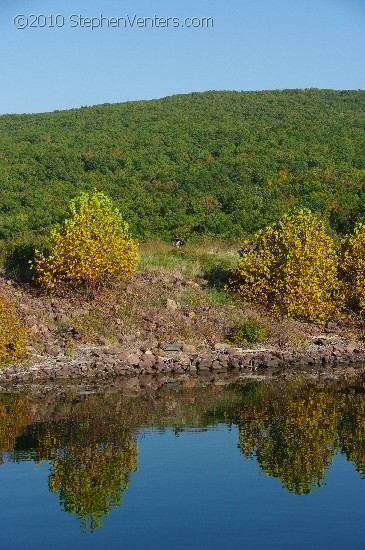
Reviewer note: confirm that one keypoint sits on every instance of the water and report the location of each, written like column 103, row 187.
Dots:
column 184, row 465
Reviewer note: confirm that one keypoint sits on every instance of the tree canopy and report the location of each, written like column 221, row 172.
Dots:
column 211, row 164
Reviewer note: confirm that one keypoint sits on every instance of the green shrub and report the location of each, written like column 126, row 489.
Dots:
column 93, row 241
column 249, row 332
column 293, row 268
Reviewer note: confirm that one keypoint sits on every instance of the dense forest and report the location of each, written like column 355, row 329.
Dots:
column 213, row 164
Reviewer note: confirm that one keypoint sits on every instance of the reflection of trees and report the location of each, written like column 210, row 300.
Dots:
column 292, row 436
column 90, row 480
column 293, row 429
column 352, row 430
column 91, row 470
column 14, row 414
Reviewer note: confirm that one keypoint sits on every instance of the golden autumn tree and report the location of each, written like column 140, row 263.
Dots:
column 91, row 242
column 353, row 267
column 13, row 335
column 292, row 269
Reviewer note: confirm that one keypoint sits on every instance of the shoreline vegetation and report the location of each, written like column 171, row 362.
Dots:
column 172, row 317
column 268, row 191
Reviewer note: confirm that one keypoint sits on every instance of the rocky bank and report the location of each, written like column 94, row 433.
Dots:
column 325, row 356
column 159, row 324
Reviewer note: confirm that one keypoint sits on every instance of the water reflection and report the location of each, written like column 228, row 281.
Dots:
column 293, row 429
column 292, row 434
column 90, row 479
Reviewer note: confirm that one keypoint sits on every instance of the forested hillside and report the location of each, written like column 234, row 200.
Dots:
column 215, row 164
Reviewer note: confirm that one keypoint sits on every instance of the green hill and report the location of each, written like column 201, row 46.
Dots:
column 217, row 164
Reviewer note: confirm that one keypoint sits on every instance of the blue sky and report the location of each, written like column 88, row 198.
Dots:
column 253, row 45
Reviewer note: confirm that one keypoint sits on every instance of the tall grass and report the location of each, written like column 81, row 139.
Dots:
column 205, row 260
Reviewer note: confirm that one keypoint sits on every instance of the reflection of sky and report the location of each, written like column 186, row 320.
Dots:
column 192, row 491
column 254, row 44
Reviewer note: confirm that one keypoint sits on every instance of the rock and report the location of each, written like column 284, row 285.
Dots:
column 148, row 369
column 182, row 358
column 224, row 360
column 235, row 352
column 147, row 361
column 234, row 363
column 110, row 351
column 221, row 347
column 352, row 347
column 306, row 360
column 273, row 362
column 171, row 304
column 331, row 326
column 63, row 372
column 204, row 364
column 133, row 359
column 216, row 365
column 121, row 368
column 170, row 347
column 52, row 350
column 178, row 369
column 321, row 341
column 148, row 346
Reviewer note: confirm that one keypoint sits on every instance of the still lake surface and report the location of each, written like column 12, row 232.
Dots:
column 184, row 464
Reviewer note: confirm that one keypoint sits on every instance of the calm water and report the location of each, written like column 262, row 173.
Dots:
column 184, row 465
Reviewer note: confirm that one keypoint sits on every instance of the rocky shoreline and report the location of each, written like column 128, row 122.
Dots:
column 325, row 355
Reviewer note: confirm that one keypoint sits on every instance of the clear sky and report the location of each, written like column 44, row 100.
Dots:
column 251, row 45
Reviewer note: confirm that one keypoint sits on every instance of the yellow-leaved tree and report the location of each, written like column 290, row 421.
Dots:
column 13, row 336
column 91, row 242
column 352, row 266
column 292, row 269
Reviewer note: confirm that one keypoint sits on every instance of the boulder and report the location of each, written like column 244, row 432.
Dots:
column 166, row 346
